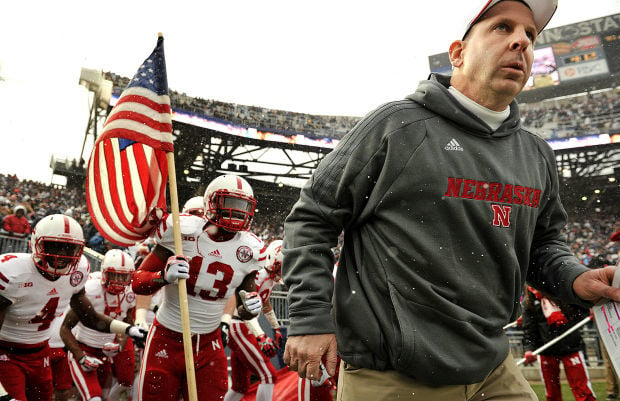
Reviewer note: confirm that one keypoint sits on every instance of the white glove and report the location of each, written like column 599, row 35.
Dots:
column 323, row 379
column 176, row 267
column 137, row 334
column 89, row 363
column 251, row 302
column 111, row 349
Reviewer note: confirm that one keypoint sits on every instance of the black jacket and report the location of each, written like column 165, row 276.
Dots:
column 443, row 218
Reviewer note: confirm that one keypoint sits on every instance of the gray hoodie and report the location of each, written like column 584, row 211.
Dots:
column 444, row 220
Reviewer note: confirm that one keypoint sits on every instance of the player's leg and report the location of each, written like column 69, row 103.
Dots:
column 163, row 366
column 550, row 370
column 239, row 374
column 123, row 369
column 211, row 367
column 63, row 384
column 578, row 377
column 13, row 375
column 87, row 382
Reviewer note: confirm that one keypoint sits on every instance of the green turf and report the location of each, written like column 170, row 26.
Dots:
column 567, row 395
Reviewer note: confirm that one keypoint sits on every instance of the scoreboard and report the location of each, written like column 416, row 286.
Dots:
column 569, row 54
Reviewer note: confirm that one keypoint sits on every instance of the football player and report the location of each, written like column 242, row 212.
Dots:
column 221, row 259
column 194, row 206
column 34, row 290
column 251, row 349
column 95, row 355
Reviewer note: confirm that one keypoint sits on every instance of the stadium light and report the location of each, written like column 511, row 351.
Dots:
column 597, row 191
column 584, row 198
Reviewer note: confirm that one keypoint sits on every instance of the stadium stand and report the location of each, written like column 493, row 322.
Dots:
column 572, row 116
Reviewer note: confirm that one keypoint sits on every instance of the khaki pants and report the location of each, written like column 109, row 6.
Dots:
column 505, row 383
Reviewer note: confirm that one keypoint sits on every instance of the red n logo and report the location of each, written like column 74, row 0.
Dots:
column 501, row 215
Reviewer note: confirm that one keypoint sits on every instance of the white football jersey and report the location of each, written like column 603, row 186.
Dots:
column 216, row 270
column 113, row 305
column 264, row 285
column 55, row 340
column 36, row 301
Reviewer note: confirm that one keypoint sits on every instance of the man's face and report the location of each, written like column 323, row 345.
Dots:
column 498, row 52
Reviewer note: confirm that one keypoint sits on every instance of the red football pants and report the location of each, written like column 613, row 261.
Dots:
column 162, row 372
column 246, row 358
column 576, row 375
column 25, row 371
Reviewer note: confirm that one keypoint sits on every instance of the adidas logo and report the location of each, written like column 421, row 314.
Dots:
column 215, row 253
column 453, row 145
column 53, row 292
column 162, row 354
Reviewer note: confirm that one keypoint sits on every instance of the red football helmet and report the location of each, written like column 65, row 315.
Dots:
column 273, row 262
column 57, row 243
column 117, row 268
column 229, row 203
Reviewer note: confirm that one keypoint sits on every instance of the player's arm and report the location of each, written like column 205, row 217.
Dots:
column 87, row 314
column 71, row 319
column 150, row 276
column 249, row 303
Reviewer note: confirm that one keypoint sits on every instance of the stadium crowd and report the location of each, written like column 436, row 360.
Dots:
column 584, row 114
column 279, row 121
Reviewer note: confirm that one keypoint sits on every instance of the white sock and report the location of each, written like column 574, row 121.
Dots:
column 232, row 395
column 116, row 391
column 264, row 392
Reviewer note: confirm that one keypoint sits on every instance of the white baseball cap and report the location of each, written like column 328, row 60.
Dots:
column 542, row 10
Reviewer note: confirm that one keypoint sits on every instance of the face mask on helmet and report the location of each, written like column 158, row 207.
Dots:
column 230, row 203
column 117, row 269
column 57, row 243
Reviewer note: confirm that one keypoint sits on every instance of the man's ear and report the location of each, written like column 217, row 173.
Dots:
column 456, row 53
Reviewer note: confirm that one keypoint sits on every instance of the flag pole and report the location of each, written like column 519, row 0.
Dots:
column 178, row 250
column 558, row 338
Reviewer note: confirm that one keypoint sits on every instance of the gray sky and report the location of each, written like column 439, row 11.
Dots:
column 322, row 57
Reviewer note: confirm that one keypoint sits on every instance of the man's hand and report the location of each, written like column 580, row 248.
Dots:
column 594, row 285
column 89, row 363
column 529, row 357
column 267, row 347
column 176, row 267
column 111, row 349
column 303, row 354
column 278, row 338
column 137, row 334
column 224, row 333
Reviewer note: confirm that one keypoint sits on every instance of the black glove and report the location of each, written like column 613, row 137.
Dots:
column 137, row 334
column 6, row 397
column 224, row 332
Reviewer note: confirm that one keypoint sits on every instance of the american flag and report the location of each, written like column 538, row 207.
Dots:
column 128, row 170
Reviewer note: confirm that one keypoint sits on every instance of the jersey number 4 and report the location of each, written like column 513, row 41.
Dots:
column 220, row 285
column 47, row 315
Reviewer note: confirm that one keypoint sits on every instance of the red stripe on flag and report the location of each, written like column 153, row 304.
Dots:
column 140, row 118
column 138, row 137
column 158, row 107
column 100, row 199
column 111, row 159
column 3, row 278
column 131, row 200
column 145, row 176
